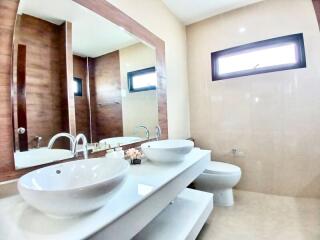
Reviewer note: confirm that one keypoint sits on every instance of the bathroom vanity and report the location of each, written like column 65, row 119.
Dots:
column 153, row 197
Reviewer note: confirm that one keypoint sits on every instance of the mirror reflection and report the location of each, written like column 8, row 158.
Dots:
column 78, row 78
column 122, row 86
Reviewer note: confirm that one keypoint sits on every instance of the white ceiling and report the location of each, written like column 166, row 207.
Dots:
column 92, row 36
column 191, row 11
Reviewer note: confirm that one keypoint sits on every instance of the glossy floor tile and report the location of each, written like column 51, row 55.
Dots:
column 262, row 216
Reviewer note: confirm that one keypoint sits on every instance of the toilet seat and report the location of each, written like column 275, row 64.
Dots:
column 221, row 168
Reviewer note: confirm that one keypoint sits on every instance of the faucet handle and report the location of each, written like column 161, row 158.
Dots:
column 158, row 132
column 21, row 130
column 38, row 140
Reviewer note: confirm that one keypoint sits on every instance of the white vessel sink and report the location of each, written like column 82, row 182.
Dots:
column 40, row 156
column 73, row 188
column 167, row 151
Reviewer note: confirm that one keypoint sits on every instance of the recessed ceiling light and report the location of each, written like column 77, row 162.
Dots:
column 242, row 29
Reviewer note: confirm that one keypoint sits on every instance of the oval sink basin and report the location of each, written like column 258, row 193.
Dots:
column 115, row 141
column 167, row 151
column 73, row 188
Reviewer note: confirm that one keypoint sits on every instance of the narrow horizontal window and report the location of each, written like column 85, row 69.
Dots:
column 77, row 86
column 142, row 80
column 277, row 54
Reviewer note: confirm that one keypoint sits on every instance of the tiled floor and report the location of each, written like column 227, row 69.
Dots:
column 257, row 216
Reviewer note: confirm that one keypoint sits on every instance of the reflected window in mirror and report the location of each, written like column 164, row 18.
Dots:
column 142, row 80
column 77, row 86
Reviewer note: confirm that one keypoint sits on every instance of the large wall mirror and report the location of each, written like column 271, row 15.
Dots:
column 76, row 72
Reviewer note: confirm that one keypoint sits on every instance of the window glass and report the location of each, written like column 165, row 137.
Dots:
column 77, row 86
column 142, row 80
column 266, row 56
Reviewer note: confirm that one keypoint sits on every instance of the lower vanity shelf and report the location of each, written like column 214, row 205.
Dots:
column 188, row 213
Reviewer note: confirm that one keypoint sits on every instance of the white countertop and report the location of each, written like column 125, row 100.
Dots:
column 19, row 221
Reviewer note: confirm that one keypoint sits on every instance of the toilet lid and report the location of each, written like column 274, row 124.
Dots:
column 222, row 168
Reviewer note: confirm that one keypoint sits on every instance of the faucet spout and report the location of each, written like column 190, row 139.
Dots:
column 147, row 132
column 59, row 135
column 158, row 132
column 82, row 137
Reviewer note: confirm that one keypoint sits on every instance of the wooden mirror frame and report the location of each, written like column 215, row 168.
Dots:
column 8, row 11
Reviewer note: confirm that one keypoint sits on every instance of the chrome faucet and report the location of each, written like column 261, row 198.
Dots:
column 82, row 137
column 146, row 131
column 59, row 135
column 158, row 132
column 38, row 141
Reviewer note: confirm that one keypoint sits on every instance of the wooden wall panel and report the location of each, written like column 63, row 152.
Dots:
column 316, row 5
column 8, row 9
column 108, row 96
column 43, row 84
column 82, row 102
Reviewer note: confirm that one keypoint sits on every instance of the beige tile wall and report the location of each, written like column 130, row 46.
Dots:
column 273, row 118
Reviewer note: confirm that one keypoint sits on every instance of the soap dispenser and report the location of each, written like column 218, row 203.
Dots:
column 119, row 151
column 110, row 153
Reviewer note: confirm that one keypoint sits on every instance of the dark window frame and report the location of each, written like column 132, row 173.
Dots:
column 296, row 38
column 79, row 83
column 131, row 75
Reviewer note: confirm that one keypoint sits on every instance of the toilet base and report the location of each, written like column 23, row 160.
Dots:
column 223, row 197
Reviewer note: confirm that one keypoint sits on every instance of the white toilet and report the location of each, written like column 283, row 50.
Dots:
column 219, row 178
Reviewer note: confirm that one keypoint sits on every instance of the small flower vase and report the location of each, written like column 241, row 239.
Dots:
column 135, row 161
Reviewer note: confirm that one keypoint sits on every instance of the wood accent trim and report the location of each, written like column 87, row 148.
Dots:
column 8, row 11
column 21, row 97
column 113, row 14
column 69, row 70
column 91, row 86
column 316, row 5
column 68, row 102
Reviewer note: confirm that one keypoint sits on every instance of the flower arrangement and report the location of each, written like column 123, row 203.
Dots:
column 134, row 155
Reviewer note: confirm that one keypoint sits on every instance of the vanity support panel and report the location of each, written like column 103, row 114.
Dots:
column 152, row 206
